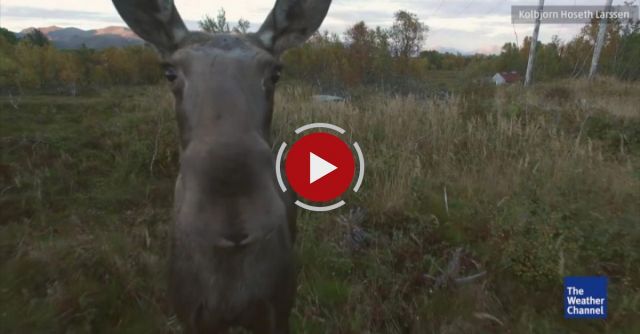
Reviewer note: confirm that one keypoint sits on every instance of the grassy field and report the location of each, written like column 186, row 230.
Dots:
column 472, row 211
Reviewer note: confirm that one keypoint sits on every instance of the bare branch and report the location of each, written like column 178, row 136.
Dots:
column 469, row 279
column 487, row 316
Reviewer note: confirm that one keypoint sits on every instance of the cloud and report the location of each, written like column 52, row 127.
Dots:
column 34, row 12
column 372, row 17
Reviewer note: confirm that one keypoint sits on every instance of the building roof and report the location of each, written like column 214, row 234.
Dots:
column 510, row 77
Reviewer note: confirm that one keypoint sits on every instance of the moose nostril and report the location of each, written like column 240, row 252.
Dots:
column 236, row 238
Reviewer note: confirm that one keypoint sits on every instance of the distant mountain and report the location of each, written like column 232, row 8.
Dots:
column 454, row 51
column 120, row 31
column 44, row 30
column 74, row 38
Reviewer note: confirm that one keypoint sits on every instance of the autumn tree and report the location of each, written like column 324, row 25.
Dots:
column 242, row 27
column 361, row 42
column 8, row 36
column 511, row 58
column 220, row 24
column 548, row 60
column 407, row 34
column 382, row 61
column 28, row 57
column 69, row 72
column 8, row 65
column 628, row 61
column 217, row 25
column 36, row 37
column 87, row 60
column 577, row 55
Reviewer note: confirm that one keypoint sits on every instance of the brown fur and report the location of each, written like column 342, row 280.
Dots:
column 231, row 259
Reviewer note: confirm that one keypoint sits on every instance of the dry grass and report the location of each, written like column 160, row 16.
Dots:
column 523, row 186
column 533, row 193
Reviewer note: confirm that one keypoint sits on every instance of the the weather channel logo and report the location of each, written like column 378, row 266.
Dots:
column 585, row 297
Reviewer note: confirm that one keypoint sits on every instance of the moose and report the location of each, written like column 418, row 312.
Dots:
column 231, row 263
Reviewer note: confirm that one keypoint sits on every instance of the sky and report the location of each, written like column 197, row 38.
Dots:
column 466, row 26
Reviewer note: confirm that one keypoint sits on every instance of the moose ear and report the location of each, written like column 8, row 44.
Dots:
column 291, row 23
column 155, row 21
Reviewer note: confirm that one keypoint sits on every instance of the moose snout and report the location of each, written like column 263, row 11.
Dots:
column 236, row 237
column 233, row 239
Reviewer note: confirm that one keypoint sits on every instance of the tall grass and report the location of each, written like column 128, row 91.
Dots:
column 520, row 187
column 525, row 185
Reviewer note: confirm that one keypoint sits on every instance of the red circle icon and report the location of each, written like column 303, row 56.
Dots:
column 320, row 167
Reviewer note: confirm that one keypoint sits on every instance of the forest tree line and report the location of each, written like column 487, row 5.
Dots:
column 372, row 56
column 33, row 63
column 620, row 55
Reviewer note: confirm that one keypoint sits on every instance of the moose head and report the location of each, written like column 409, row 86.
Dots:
column 231, row 259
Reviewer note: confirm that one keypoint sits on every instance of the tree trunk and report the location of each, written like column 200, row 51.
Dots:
column 602, row 32
column 532, row 48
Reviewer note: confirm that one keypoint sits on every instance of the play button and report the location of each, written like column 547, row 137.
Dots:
column 320, row 167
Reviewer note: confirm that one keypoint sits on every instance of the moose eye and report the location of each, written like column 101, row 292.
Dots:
column 275, row 75
column 170, row 73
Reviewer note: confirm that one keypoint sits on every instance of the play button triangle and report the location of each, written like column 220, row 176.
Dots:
column 318, row 168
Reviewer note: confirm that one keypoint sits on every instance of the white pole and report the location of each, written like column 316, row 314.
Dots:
column 602, row 32
column 534, row 43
